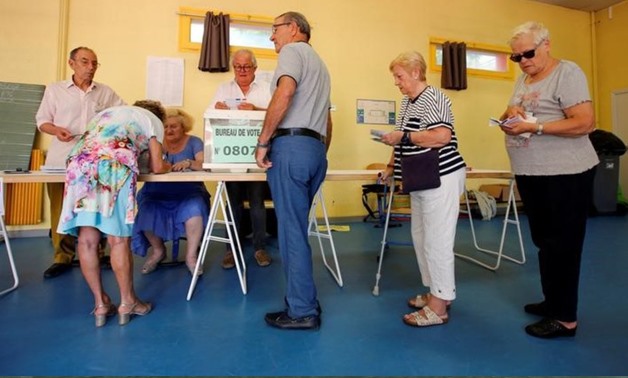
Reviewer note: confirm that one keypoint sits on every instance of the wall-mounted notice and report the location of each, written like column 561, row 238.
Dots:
column 378, row 112
column 164, row 80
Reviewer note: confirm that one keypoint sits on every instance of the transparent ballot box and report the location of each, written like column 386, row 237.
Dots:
column 230, row 137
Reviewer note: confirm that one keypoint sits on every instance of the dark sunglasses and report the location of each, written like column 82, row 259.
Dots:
column 529, row 54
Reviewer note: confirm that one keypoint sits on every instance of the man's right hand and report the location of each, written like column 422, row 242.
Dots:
column 221, row 105
column 63, row 134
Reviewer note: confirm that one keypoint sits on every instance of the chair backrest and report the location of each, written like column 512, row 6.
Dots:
column 380, row 166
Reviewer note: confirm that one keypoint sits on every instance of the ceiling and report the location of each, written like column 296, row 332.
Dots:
column 582, row 5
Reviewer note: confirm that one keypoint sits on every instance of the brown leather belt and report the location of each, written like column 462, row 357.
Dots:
column 299, row 131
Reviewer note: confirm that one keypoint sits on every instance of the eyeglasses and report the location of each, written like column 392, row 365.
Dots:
column 87, row 62
column 275, row 26
column 243, row 68
column 529, row 54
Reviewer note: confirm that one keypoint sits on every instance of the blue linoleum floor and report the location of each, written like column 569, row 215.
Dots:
column 46, row 329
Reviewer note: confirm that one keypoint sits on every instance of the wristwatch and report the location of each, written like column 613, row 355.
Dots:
column 405, row 139
column 539, row 129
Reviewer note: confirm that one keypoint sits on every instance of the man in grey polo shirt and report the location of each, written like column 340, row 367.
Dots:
column 298, row 125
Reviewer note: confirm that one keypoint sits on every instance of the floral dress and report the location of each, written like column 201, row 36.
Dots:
column 102, row 171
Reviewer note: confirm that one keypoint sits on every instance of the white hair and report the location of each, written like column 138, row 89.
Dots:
column 248, row 52
column 537, row 30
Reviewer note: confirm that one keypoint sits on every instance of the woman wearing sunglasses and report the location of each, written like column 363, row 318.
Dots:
column 554, row 165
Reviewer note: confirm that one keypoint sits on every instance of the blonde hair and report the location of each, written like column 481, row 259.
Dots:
column 537, row 30
column 409, row 61
column 186, row 120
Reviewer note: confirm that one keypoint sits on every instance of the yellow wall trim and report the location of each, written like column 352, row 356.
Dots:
column 186, row 15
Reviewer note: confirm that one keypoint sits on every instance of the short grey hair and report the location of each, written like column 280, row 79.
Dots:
column 537, row 30
column 300, row 20
column 245, row 52
column 77, row 49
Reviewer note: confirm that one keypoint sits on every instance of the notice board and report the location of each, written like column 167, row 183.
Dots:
column 18, row 106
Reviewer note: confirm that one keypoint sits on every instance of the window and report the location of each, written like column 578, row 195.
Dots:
column 482, row 60
column 251, row 32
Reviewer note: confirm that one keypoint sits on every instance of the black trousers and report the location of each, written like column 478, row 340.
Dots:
column 255, row 192
column 557, row 208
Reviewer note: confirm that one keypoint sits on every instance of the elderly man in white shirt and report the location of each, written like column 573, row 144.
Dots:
column 245, row 92
column 65, row 109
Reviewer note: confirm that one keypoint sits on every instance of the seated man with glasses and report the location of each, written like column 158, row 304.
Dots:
column 244, row 92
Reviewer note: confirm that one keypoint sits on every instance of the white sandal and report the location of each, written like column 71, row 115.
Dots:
column 428, row 318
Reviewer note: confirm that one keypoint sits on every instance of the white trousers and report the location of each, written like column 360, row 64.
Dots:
column 434, row 218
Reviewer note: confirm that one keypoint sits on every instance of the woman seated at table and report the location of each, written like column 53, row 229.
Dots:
column 172, row 210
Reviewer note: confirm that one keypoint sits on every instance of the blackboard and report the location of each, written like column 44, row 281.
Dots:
column 18, row 106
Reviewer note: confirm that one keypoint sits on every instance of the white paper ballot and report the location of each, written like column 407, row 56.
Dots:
column 233, row 103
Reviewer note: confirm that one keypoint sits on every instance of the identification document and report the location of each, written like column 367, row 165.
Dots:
column 504, row 123
column 376, row 135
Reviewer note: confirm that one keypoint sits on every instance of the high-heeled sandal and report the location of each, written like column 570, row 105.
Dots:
column 101, row 319
column 125, row 317
column 151, row 264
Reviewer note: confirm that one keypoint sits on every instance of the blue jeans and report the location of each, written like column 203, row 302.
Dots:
column 299, row 168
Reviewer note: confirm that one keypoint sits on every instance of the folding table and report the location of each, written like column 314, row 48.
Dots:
column 498, row 254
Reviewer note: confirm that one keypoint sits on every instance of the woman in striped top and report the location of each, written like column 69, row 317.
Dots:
column 426, row 122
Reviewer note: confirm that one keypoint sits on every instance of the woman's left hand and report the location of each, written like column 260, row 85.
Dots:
column 182, row 165
column 392, row 138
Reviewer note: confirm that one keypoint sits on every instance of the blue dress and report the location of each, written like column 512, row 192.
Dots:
column 164, row 207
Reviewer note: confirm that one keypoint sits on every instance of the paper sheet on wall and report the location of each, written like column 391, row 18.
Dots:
column 164, row 80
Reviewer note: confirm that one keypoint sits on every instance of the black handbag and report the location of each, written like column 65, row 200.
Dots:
column 420, row 171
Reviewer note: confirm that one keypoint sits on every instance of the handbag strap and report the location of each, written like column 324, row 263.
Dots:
column 402, row 123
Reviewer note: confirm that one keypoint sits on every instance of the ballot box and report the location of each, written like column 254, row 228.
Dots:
column 230, row 137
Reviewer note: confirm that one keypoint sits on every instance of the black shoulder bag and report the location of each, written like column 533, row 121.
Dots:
column 419, row 171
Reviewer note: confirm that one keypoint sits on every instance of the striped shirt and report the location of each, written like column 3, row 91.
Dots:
column 431, row 109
